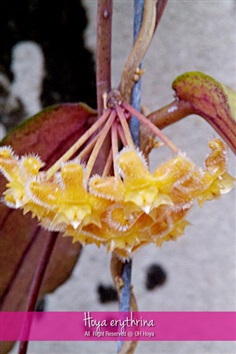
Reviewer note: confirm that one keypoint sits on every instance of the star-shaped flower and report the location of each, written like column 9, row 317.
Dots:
column 123, row 210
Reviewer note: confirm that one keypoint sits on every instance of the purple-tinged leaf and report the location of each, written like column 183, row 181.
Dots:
column 210, row 99
column 48, row 134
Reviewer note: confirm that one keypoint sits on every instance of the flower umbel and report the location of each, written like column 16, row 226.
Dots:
column 127, row 206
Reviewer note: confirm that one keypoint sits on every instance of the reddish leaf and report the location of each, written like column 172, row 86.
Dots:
column 48, row 134
column 211, row 100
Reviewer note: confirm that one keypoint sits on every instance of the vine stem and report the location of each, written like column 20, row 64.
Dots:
column 152, row 127
column 142, row 42
column 36, row 284
column 103, row 70
column 103, row 60
column 160, row 8
column 125, row 293
column 162, row 118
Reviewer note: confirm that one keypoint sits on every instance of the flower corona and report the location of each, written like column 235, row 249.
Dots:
column 126, row 206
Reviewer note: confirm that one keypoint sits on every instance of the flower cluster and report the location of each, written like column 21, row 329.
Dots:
column 123, row 211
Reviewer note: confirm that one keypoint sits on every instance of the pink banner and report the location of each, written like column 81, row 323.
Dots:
column 112, row 326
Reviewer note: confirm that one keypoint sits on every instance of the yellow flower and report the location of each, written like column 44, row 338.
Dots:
column 205, row 184
column 169, row 223
column 217, row 180
column 136, row 185
column 109, row 188
column 18, row 172
column 123, row 211
column 67, row 198
column 140, row 186
column 172, row 171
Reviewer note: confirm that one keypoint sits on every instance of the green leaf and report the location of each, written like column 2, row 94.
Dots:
column 48, row 134
column 210, row 99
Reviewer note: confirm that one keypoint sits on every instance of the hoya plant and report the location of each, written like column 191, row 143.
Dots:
column 90, row 183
